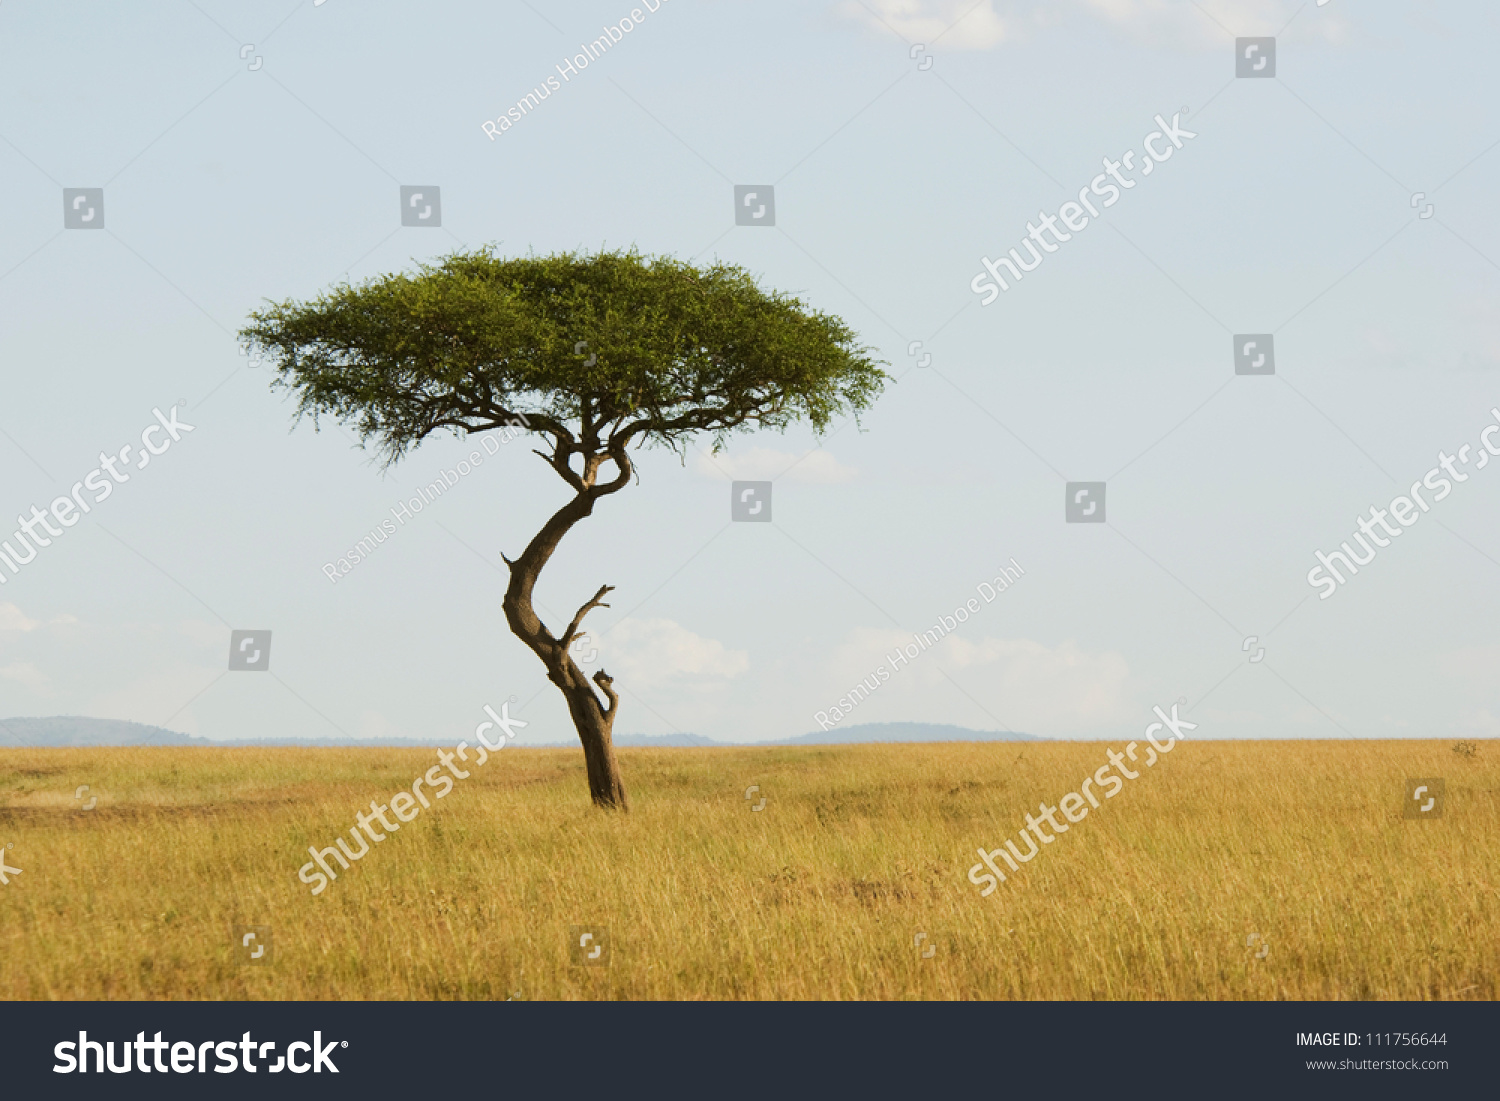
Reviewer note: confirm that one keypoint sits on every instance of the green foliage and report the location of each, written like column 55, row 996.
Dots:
column 475, row 340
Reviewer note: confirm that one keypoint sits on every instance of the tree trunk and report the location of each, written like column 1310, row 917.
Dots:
column 594, row 728
column 593, row 720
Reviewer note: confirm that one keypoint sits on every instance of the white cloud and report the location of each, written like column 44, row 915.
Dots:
column 13, row 619
column 1211, row 24
column 1165, row 24
column 651, row 653
column 1183, row 26
column 765, row 464
column 953, row 24
column 1066, row 684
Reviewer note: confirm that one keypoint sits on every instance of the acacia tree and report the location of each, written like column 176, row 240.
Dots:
column 595, row 354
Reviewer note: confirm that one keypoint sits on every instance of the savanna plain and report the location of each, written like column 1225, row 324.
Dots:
column 821, row 894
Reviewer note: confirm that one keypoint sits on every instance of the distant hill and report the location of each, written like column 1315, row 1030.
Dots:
column 861, row 733
column 653, row 741
column 905, row 732
column 71, row 730
column 78, row 730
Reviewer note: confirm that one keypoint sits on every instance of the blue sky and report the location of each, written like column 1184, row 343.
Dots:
column 253, row 151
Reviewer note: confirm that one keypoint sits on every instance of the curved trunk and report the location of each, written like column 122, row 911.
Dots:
column 594, row 726
column 593, row 720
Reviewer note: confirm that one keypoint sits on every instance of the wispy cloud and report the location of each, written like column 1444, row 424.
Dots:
column 650, row 653
column 954, row 24
column 13, row 619
column 768, row 464
column 1159, row 24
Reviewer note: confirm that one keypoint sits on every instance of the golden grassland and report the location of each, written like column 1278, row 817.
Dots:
column 820, row 895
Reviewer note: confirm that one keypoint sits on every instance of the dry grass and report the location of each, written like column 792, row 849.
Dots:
column 818, row 896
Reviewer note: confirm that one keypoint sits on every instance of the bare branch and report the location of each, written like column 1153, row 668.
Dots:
column 623, row 470
column 604, row 680
column 596, row 602
column 564, row 471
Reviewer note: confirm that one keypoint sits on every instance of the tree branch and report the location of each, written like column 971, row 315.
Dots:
column 616, row 451
column 560, row 461
column 596, row 602
column 604, row 680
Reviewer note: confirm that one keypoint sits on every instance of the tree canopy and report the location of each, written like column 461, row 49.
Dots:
column 592, row 351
